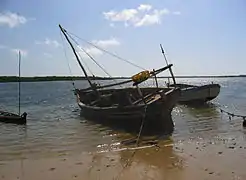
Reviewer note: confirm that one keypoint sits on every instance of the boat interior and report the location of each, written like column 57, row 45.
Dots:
column 122, row 97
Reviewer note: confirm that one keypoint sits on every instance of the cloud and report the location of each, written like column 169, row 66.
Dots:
column 154, row 18
column 124, row 15
column 106, row 43
column 48, row 55
column 144, row 7
column 111, row 25
column 22, row 51
column 12, row 19
column 143, row 15
column 176, row 13
column 93, row 51
column 49, row 42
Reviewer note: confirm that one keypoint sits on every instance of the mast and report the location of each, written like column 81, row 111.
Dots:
column 19, row 80
column 77, row 58
column 171, row 72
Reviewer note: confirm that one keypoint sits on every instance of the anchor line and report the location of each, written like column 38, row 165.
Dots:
column 232, row 114
column 129, row 160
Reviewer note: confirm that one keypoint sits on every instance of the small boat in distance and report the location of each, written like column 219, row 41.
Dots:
column 7, row 117
column 130, row 108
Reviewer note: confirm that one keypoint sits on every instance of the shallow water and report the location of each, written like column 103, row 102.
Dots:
column 55, row 127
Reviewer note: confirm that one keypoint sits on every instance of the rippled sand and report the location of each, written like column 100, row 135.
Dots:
column 190, row 159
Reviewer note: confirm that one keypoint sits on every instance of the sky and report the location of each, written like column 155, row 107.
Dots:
column 200, row 37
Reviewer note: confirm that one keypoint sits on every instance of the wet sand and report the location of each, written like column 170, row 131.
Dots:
column 56, row 145
column 182, row 160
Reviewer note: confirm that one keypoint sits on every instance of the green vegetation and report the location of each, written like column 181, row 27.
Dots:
column 46, row 78
column 69, row 78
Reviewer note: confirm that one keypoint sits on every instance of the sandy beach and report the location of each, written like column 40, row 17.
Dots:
column 189, row 159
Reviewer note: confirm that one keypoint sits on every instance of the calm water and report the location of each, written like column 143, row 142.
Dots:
column 56, row 128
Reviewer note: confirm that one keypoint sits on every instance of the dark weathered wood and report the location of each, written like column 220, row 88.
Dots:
column 153, row 73
column 7, row 117
column 130, row 116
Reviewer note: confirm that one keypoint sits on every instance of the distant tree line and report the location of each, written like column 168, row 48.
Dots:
column 50, row 78
column 70, row 78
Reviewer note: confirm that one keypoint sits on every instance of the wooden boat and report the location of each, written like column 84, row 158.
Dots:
column 7, row 117
column 198, row 94
column 192, row 93
column 128, row 108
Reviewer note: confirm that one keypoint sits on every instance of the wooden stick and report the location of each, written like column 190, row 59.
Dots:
column 19, row 80
column 171, row 72
column 77, row 58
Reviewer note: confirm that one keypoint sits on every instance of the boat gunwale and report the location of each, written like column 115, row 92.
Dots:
column 132, row 106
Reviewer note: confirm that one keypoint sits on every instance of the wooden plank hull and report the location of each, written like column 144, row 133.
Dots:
column 157, row 116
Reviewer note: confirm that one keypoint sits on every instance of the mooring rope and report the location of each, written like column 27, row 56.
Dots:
column 142, row 124
column 232, row 114
column 129, row 160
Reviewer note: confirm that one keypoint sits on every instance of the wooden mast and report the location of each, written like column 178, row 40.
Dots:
column 77, row 58
column 19, row 80
column 171, row 72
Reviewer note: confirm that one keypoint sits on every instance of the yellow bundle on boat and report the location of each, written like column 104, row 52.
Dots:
column 140, row 77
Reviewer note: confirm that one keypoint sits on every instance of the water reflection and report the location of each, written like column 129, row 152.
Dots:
column 197, row 119
column 122, row 126
column 153, row 163
column 203, row 110
column 147, row 163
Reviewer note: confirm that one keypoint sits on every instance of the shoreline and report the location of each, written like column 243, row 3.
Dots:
column 6, row 79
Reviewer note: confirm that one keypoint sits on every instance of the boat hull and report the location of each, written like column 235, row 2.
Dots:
column 13, row 118
column 199, row 94
column 194, row 94
column 156, row 116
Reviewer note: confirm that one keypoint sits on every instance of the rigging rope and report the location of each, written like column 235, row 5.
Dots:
column 70, row 71
column 86, row 65
column 92, row 58
column 112, row 54
column 79, row 57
